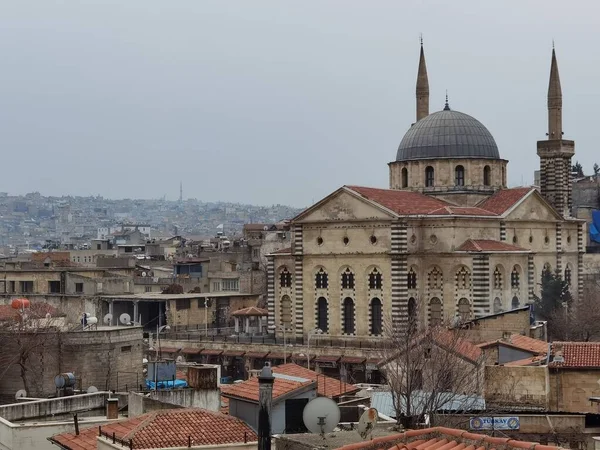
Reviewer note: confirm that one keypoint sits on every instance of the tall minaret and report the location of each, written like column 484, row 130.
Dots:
column 422, row 87
column 555, row 153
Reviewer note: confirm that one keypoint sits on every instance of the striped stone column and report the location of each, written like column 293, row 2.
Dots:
column 399, row 272
column 271, row 292
column 530, row 279
column 502, row 231
column 559, row 248
column 580, row 251
column 481, row 285
column 298, row 283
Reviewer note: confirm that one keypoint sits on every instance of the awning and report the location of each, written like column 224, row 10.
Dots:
column 257, row 355
column 353, row 359
column 326, row 358
column 191, row 351
column 211, row 352
column 168, row 349
column 233, row 353
column 274, row 355
column 374, row 360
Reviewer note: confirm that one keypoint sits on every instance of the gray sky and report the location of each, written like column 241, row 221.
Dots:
column 274, row 101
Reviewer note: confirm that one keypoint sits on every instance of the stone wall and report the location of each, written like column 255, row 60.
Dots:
column 493, row 327
column 570, row 390
column 507, row 387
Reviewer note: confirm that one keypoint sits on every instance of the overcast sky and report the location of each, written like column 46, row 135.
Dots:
column 274, row 101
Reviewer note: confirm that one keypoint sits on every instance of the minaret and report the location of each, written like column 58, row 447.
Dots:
column 555, row 153
column 422, row 87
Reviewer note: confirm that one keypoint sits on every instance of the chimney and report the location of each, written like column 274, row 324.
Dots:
column 112, row 408
column 265, row 397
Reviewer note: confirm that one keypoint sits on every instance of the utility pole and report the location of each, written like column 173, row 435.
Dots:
column 265, row 397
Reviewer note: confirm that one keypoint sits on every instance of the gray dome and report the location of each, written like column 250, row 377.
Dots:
column 447, row 134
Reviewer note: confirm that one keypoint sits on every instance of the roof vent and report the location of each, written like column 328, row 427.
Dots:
column 559, row 359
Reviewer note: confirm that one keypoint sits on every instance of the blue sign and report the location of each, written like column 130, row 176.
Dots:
column 494, row 423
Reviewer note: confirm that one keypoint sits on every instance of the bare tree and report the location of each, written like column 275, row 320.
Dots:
column 429, row 370
column 581, row 320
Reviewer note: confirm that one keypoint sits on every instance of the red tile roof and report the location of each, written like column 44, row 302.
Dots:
column 165, row 429
column 461, row 211
column 533, row 361
column 248, row 390
column 504, row 199
column 326, row 386
column 488, row 245
column 401, row 202
column 446, row 439
column 448, row 340
column 577, row 354
column 250, row 311
column 520, row 342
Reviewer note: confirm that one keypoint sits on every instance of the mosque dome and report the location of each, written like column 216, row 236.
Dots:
column 447, row 134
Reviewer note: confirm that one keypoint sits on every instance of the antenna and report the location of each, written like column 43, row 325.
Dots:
column 321, row 415
column 367, row 423
column 125, row 319
column 107, row 320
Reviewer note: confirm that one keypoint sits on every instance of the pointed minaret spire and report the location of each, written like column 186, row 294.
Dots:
column 422, row 87
column 447, row 105
column 554, row 101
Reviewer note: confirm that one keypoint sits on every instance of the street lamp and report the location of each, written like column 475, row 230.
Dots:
column 311, row 333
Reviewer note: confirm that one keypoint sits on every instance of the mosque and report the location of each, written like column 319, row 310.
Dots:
column 447, row 241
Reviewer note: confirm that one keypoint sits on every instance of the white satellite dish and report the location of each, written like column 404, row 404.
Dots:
column 180, row 359
column 144, row 274
column 48, row 315
column 91, row 320
column 367, row 423
column 125, row 319
column 92, row 389
column 107, row 319
column 21, row 393
column 321, row 415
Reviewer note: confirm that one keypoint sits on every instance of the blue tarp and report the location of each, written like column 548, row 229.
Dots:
column 166, row 384
column 595, row 227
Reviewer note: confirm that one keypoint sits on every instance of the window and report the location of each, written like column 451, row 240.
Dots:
column 412, row 311
column 26, row 287
column 487, row 172
column 126, row 349
column 463, row 279
column 98, row 247
column 464, row 309
column 230, row 285
column 497, row 305
column 348, row 316
column 256, row 252
column 459, row 176
column 321, row 279
column 375, row 280
column 216, row 286
column 435, row 279
column 568, row 275
column 515, row 302
column 147, row 288
column 11, row 287
column 497, row 278
column 182, row 303
column 376, row 317
column 286, row 311
column 347, row 279
column 404, row 177
column 373, row 240
column 411, row 279
column 346, row 240
column 429, row 176
column 322, row 314
column 285, row 278
column 515, row 281
column 78, row 288
column 435, row 308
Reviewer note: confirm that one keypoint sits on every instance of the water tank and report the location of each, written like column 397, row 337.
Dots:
column 20, row 303
column 64, row 380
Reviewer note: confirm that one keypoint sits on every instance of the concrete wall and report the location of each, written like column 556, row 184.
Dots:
column 529, row 423
column 523, row 387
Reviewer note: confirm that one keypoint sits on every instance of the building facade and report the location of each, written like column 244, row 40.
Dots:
column 448, row 241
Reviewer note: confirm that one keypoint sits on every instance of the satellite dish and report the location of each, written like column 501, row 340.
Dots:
column 179, row 359
column 125, row 319
column 21, row 393
column 144, row 274
column 48, row 315
column 321, row 415
column 91, row 320
column 367, row 422
column 107, row 319
column 92, row 389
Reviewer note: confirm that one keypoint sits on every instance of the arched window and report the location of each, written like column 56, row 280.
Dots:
column 435, row 309
column 412, row 310
column 322, row 314
column 348, row 316
column 286, row 311
column 376, row 317
column 568, row 275
column 285, row 278
column 459, row 176
column 375, row 280
column 435, row 279
column 487, row 175
column 515, row 302
column 347, row 279
column 411, row 279
column 464, row 309
column 497, row 305
column 463, row 278
column 497, row 278
column 429, row 176
column 321, row 279
column 515, row 278
column 404, row 177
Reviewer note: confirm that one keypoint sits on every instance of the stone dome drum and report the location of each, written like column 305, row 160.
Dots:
column 447, row 134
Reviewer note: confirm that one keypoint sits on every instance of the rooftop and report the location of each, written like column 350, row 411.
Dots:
column 576, row 355
column 520, row 342
column 152, row 296
column 248, row 390
column 488, row 245
column 165, row 429
column 326, row 386
column 250, row 312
